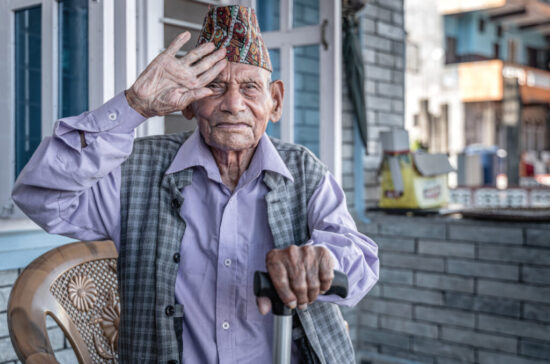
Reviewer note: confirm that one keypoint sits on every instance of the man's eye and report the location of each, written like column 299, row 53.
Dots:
column 214, row 86
column 250, row 86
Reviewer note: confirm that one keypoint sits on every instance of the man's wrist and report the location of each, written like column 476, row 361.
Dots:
column 134, row 103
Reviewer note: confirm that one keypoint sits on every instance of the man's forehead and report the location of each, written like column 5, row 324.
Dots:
column 243, row 72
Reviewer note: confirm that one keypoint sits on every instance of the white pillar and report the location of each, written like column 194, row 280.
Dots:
column 101, row 52
column 150, row 42
column 125, row 44
column 331, row 82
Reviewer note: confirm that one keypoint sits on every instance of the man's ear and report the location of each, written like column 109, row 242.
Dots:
column 277, row 90
column 188, row 112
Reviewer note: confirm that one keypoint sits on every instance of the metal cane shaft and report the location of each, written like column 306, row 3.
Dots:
column 282, row 330
column 282, row 339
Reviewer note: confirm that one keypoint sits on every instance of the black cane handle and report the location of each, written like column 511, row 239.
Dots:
column 263, row 287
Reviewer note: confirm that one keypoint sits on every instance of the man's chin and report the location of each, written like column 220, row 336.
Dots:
column 231, row 142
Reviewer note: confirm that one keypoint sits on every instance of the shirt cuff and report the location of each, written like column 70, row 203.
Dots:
column 115, row 116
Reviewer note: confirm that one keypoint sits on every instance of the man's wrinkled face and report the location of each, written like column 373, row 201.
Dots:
column 235, row 116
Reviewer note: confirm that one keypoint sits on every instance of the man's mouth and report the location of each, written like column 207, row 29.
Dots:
column 232, row 125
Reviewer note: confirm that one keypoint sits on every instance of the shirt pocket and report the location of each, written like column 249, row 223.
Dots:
column 195, row 258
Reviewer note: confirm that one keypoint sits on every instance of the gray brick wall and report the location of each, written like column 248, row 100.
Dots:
column 456, row 291
column 444, row 296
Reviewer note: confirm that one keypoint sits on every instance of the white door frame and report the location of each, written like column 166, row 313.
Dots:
column 330, row 83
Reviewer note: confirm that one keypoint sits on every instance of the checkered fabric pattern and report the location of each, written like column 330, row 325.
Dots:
column 236, row 28
column 152, row 231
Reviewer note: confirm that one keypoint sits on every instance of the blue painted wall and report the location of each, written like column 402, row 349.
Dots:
column 464, row 27
column 19, row 248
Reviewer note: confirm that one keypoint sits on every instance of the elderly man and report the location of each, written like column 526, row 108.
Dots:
column 193, row 215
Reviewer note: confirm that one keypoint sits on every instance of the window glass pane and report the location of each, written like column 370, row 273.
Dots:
column 268, row 14
column 73, row 57
column 305, row 12
column 28, row 84
column 274, row 129
column 306, row 97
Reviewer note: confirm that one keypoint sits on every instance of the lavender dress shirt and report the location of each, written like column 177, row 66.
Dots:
column 74, row 191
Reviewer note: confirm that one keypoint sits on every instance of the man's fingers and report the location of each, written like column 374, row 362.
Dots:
column 282, row 287
column 298, row 283
column 197, row 53
column 199, row 93
column 212, row 73
column 208, row 61
column 177, row 43
column 280, row 280
column 326, row 270
column 312, row 273
column 189, row 96
column 264, row 305
column 297, row 275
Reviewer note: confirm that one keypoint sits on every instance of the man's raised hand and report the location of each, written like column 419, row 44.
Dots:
column 169, row 84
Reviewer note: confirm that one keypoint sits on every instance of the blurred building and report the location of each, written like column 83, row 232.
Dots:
column 478, row 73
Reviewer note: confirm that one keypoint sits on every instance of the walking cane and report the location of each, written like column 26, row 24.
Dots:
column 282, row 329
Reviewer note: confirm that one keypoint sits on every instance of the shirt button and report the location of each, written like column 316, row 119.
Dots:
column 225, row 325
column 112, row 116
column 227, row 262
column 169, row 310
column 177, row 257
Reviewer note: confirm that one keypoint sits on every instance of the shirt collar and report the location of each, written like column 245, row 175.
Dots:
column 194, row 152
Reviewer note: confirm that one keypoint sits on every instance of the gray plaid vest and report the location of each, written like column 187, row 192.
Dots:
column 152, row 231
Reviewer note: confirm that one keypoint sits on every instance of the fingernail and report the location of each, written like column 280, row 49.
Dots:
column 292, row 304
column 303, row 307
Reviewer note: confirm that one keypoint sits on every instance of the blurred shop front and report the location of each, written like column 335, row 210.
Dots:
column 480, row 92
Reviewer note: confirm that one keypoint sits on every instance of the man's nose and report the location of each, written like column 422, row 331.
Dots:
column 233, row 101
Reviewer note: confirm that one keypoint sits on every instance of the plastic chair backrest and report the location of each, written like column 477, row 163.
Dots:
column 75, row 284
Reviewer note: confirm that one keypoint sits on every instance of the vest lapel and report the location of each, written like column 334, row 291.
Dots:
column 169, row 237
column 278, row 206
column 176, row 182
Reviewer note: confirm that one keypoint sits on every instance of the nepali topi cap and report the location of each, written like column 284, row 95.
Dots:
column 236, row 28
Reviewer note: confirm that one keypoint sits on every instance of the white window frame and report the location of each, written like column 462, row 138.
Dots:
column 330, row 83
column 101, row 73
column 7, row 87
